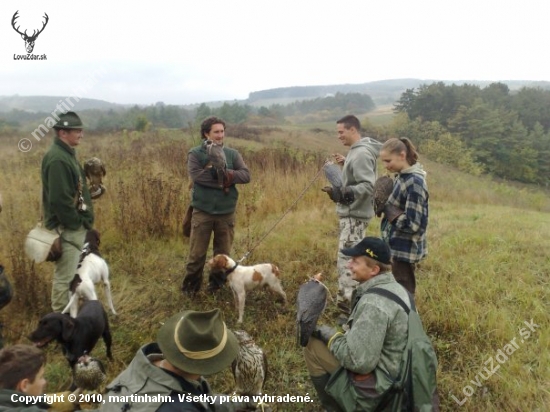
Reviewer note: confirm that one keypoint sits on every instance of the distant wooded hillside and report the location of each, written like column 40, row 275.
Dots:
column 48, row 103
column 382, row 92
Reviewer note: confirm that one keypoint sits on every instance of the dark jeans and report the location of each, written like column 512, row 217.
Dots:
column 403, row 272
column 202, row 227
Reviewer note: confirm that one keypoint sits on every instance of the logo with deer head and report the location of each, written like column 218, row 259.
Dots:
column 29, row 40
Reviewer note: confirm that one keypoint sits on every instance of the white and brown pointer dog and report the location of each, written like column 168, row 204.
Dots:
column 244, row 278
column 91, row 270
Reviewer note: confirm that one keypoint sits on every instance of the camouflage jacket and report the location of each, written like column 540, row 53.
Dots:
column 378, row 330
column 62, row 177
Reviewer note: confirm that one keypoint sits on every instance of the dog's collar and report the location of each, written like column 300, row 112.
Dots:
column 229, row 271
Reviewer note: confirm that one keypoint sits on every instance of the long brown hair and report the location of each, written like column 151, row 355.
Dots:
column 402, row 144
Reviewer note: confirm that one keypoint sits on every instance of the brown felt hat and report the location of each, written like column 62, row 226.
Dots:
column 198, row 342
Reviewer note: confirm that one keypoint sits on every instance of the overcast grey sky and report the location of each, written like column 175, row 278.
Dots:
column 195, row 51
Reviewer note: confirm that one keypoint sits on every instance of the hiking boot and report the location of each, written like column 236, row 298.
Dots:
column 189, row 290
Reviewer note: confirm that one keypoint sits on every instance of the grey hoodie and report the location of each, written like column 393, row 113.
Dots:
column 359, row 173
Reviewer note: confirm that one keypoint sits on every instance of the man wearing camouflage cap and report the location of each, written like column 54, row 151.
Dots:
column 66, row 202
column 375, row 337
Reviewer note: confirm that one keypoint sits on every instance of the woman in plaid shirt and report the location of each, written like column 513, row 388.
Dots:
column 406, row 211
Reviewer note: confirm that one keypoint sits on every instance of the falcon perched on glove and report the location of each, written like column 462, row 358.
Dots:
column 216, row 156
column 383, row 188
column 337, row 192
column 95, row 171
column 311, row 303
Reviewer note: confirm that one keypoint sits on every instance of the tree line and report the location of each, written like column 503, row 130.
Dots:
column 506, row 134
column 159, row 115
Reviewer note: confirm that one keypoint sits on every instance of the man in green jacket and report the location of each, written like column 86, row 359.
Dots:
column 373, row 344
column 66, row 201
column 213, row 204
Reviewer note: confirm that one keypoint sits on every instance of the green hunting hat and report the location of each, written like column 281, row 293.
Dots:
column 69, row 120
column 372, row 247
column 198, row 342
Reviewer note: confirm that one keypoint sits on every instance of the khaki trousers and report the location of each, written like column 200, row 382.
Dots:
column 319, row 359
column 65, row 267
column 202, row 227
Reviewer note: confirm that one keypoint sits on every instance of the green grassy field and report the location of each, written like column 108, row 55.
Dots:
column 486, row 275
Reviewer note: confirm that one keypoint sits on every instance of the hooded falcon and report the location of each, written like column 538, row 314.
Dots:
column 311, row 302
column 250, row 367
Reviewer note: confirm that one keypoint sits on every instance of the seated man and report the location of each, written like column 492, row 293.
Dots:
column 376, row 333
column 189, row 345
column 21, row 374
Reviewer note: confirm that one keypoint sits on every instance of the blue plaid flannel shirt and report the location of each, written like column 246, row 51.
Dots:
column 407, row 233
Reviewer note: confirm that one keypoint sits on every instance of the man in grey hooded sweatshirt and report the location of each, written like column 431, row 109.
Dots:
column 354, row 201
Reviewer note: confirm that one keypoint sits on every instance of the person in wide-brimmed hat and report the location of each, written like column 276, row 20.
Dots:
column 189, row 345
column 66, row 202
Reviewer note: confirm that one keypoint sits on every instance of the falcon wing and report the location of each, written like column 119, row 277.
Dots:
column 311, row 302
column 333, row 173
column 383, row 188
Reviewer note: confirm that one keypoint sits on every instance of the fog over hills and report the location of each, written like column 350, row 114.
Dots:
column 382, row 92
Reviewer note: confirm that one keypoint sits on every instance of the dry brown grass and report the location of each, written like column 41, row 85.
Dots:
column 487, row 271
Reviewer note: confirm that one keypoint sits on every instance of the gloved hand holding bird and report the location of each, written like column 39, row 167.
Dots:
column 218, row 161
column 338, row 193
column 383, row 188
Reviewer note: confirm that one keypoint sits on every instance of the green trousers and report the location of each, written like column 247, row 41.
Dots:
column 65, row 267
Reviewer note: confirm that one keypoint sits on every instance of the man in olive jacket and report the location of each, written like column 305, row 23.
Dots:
column 375, row 338
column 167, row 375
column 213, row 204
column 66, row 201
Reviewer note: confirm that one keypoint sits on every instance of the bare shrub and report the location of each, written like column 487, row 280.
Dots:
column 149, row 206
column 32, row 292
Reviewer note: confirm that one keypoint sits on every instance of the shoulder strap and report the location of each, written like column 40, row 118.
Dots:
column 392, row 296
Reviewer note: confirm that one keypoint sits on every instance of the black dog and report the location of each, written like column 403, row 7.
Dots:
column 77, row 336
